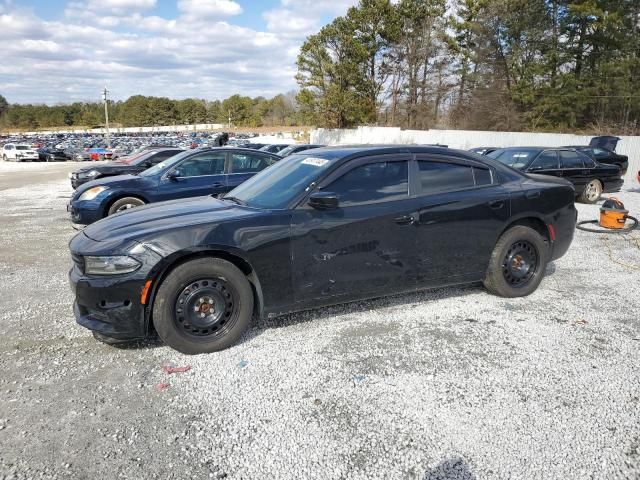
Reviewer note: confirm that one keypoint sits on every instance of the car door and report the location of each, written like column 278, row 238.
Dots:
column 546, row 163
column 198, row 175
column 574, row 169
column 366, row 245
column 244, row 165
column 462, row 210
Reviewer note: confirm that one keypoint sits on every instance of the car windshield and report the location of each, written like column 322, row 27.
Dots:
column 276, row 186
column 22, row 147
column 159, row 167
column 140, row 158
column 514, row 157
column 288, row 150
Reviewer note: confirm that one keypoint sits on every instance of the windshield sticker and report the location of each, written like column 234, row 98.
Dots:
column 316, row 162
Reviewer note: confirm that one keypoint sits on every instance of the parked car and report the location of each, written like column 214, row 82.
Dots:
column 274, row 148
column 299, row 147
column 52, row 154
column 327, row 226
column 133, row 166
column 191, row 173
column 15, row 152
column 603, row 155
column 589, row 177
column 483, row 150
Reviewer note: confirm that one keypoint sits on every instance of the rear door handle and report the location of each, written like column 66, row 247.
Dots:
column 496, row 204
column 532, row 195
column 405, row 220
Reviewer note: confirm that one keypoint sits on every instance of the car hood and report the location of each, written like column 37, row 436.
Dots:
column 118, row 181
column 155, row 218
column 113, row 167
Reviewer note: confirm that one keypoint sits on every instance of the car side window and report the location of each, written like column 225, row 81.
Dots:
column 482, row 176
column 547, row 160
column 372, row 183
column 438, row 177
column 204, row 164
column 248, row 163
column 570, row 159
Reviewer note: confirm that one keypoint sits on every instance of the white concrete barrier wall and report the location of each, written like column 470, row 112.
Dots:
column 466, row 139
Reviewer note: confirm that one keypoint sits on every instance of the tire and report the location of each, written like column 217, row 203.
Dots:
column 4, row 158
column 517, row 263
column 592, row 192
column 124, row 204
column 194, row 284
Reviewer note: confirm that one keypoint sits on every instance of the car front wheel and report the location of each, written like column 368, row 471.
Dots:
column 124, row 204
column 517, row 263
column 203, row 306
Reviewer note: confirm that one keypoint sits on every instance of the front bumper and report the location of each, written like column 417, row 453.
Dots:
column 110, row 305
column 84, row 215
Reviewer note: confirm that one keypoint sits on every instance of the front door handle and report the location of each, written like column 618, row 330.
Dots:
column 217, row 184
column 405, row 220
column 496, row 204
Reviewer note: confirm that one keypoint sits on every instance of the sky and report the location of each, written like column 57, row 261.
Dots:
column 59, row 51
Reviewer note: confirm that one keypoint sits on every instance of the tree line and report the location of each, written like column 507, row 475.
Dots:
column 552, row 65
column 145, row 111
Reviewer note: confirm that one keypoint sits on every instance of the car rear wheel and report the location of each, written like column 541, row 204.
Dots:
column 203, row 306
column 592, row 192
column 517, row 263
column 124, row 204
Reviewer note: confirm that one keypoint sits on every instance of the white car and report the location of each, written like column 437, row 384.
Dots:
column 15, row 152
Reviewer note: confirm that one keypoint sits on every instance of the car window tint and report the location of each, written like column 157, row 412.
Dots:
column 546, row 161
column 482, row 176
column 246, row 163
column 571, row 159
column 372, row 183
column 204, row 164
column 436, row 177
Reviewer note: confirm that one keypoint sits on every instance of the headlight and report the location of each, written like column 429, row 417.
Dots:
column 92, row 193
column 92, row 173
column 113, row 265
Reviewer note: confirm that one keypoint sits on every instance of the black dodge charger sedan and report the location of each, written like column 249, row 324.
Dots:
column 325, row 226
column 132, row 166
column 589, row 177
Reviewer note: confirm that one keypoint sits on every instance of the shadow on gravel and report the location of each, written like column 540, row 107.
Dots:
column 452, row 469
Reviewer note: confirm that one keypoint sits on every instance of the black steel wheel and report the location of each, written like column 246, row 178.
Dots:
column 517, row 263
column 203, row 306
column 520, row 264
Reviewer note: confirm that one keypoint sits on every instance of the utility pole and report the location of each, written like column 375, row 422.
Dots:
column 106, row 114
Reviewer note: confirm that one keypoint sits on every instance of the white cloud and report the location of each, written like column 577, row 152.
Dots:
column 128, row 46
column 209, row 8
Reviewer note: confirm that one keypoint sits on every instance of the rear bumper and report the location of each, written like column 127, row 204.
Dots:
column 613, row 186
column 565, row 227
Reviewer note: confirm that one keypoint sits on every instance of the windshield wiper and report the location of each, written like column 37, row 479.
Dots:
column 235, row 200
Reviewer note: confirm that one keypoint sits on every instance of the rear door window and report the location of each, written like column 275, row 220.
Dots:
column 438, row 177
column 249, row 162
column 571, row 159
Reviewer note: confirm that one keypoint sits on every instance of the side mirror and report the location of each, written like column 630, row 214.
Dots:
column 324, row 200
column 147, row 164
column 173, row 175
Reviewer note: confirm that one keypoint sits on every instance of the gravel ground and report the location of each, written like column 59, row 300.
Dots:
column 445, row 384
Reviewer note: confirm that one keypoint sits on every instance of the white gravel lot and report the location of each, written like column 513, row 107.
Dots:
column 445, row 384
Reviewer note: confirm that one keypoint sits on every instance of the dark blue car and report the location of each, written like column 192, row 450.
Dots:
column 189, row 174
